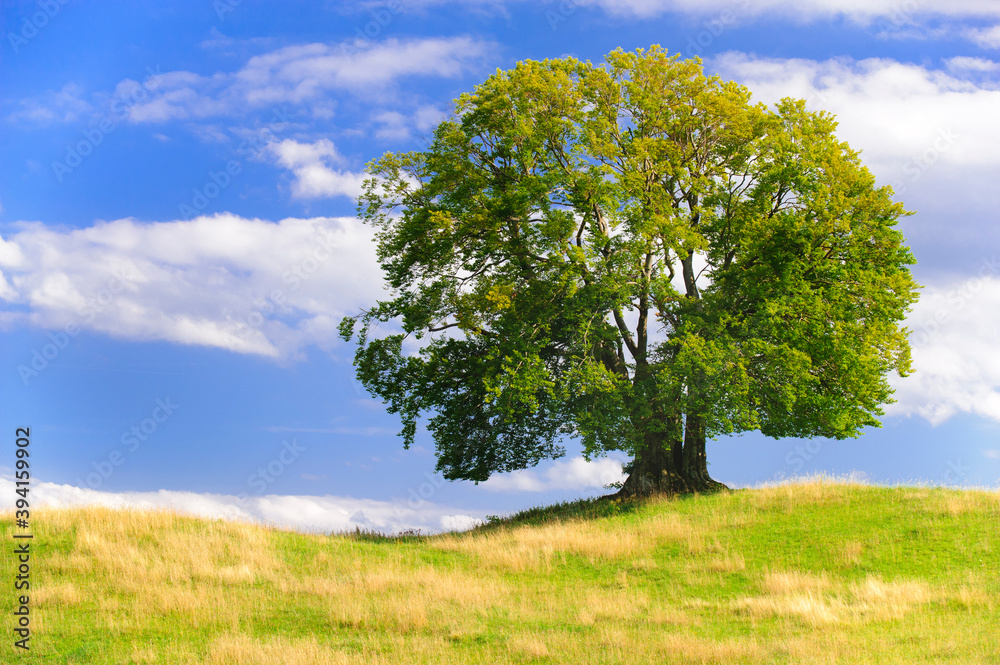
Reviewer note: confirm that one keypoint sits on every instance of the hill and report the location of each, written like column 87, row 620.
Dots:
column 815, row 572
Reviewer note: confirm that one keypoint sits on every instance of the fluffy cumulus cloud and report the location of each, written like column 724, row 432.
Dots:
column 573, row 474
column 299, row 75
column 956, row 349
column 246, row 285
column 303, row 513
column 315, row 168
column 905, row 117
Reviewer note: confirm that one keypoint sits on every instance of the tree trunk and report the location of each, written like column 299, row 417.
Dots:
column 653, row 470
column 668, row 465
column 694, row 463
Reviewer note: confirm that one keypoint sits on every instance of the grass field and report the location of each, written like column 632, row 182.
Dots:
column 815, row 572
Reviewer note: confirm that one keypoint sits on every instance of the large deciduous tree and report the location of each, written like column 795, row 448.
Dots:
column 635, row 255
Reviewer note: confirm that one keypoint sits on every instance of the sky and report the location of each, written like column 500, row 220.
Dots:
column 178, row 237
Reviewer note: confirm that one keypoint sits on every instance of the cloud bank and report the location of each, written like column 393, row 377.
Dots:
column 906, row 118
column 333, row 513
column 572, row 474
column 303, row 74
column 245, row 285
column 956, row 350
column 303, row 513
column 862, row 11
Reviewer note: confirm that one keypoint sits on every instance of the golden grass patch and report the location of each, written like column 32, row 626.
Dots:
column 792, row 582
column 535, row 547
column 815, row 600
column 527, row 646
column 727, row 564
column 144, row 549
column 244, row 650
column 142, row 654
column 682, row 648
column 664, row 616
column 971, row 597
column 960, row 503
column 64, row 593
column 851, row 551
column 616, row 605
column 394, row 613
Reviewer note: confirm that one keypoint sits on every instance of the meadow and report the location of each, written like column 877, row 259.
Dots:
column 811, row 572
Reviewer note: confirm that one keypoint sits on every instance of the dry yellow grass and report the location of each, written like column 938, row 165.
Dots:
column 243, row 650
column 538, row 547
column 684, row 648
column 851, row 551
column 727, row 564
column 675, row 583
column 527, row 647
column 615, row 605
column 57, row 594
column 817, row 601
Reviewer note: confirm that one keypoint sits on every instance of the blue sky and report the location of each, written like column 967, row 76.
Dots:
column 178, row 241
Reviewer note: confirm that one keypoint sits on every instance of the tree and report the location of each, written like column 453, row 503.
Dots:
column 635, row 255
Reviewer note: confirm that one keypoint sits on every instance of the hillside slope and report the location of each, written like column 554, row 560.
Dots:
column 816, row 572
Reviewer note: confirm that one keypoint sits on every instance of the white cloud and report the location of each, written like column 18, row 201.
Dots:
column 303, row 74
column 246, row 285
column 956, row 350
column 985, row 37
column 302, row 513
column 65, row 105
column 427, row 117
column 572, row 474
column 857, row 10
column 312, row 164
column 395, row 126
column 906, row 118
column 962, row 64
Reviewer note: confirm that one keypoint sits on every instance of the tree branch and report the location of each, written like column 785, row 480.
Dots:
column 626, row 335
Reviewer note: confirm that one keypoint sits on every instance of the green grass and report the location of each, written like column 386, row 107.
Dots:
column 816, row 572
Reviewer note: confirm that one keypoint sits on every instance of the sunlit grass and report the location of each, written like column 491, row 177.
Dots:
column 813, row 572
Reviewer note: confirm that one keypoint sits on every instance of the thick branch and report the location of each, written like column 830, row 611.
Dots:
column 690, row 283
column 626, row 335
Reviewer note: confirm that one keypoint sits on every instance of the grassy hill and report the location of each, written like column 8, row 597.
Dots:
column 816, row 572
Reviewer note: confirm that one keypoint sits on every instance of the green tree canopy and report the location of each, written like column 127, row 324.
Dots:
column 635, row 255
